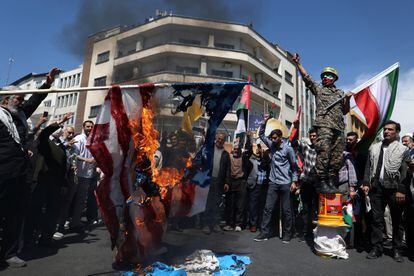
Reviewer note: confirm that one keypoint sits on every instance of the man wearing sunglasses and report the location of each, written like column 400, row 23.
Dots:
column 329, row 123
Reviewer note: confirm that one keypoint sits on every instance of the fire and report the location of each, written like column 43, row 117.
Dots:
column 146, row 142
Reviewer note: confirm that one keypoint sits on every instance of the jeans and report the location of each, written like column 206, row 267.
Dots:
column 309, row 199
column 275, row 193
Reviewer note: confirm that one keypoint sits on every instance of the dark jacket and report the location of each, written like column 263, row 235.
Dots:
column 14, row 160
column 51, row 162
column 224, row 172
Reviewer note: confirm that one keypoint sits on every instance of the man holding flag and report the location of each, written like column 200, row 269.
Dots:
column 330, row 125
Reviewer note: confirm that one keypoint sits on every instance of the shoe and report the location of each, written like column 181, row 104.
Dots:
column 58, row 236
column 397, row 256
column 374, row 254
column 301, row 239
column 261, row 237
column 207, row 230
column 237, row 229
column 253, row 229
column 77, row 229
column 228, row 228
column 16, row 262
column 216, row 229
column 285, row 240
column 66, row 226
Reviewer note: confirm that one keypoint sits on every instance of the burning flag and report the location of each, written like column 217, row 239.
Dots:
column 135, row 196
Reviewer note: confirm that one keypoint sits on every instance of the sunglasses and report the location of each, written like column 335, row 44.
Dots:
column 327, row 76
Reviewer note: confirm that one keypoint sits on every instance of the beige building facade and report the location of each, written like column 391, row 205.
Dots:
column 183, row 49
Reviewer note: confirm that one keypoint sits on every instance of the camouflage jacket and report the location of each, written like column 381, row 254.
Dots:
column 324, row 96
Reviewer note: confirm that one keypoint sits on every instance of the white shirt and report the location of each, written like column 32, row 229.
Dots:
column 381, row 176
column 85, row 169
column 216, row 161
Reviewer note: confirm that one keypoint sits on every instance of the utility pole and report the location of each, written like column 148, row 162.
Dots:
column 11, row 61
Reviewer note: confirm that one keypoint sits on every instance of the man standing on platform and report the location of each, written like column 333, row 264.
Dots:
column 330, row 125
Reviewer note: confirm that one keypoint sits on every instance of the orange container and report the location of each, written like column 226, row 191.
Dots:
column 330, row 210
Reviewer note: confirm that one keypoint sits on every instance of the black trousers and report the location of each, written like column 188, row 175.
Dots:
column 310, row 200
column 380, row 197
column 211, row 215
column 44, row 208
column 236, row 202
column 257, row 200
column 14, row 192
column 275, row 193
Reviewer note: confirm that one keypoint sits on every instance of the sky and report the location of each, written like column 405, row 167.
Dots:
column 358, row 38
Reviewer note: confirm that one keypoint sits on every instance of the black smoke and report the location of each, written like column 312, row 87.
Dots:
column 96, row 15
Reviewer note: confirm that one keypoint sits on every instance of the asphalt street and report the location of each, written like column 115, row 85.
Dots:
column 91, row 255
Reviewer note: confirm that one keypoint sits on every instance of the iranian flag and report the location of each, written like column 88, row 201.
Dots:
column 376, row 99
column 243, row 114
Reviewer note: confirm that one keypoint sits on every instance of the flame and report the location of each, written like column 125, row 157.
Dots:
column 146, row 142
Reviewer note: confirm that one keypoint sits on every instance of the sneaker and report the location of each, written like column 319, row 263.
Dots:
column 58, row 236
column 253, row 229
column 237, row 229
column 16, row 262
column 228, row 228
column 261, row 237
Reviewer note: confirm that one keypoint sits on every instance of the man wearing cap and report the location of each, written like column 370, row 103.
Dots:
column 14, row 191
column 329, row 123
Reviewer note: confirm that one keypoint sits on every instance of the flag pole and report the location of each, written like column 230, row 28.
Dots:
column 78, row 89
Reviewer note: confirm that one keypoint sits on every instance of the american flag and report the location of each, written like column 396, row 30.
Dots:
column 133, row 202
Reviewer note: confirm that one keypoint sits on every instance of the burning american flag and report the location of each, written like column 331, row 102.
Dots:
column 136, row 196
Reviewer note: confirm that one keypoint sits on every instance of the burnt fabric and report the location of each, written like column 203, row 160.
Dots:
column 329, row 148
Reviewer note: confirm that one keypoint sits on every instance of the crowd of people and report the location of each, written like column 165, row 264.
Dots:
column 47, row 177
column 267, row 185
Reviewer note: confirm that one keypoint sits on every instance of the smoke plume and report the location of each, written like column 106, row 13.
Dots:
column 96, row 15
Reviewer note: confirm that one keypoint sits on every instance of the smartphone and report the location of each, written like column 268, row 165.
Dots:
column 45, row 114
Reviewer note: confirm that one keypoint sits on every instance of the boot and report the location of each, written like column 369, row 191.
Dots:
column 325, row 188
column 333, row 184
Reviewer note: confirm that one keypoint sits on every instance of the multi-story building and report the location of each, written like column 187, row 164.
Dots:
column 354, row 122
column 56, row 104
column 183, row 49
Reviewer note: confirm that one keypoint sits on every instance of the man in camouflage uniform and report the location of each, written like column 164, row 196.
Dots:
column 329, row 123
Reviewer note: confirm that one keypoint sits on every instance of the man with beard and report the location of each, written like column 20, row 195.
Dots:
column 329, row 123
column 14, row 189
column 385, row 176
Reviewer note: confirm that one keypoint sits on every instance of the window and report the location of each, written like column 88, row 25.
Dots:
column 47, row 103
column 189, row 41
column 288, row 77
column 75, row 98
column 70, row 99
column 288, row 124
column 78, row 76
column 289, row 101
column 187, row 69
column 276, row 94
column 102, row 57
column 94, row 111
column 100, row 81
column 65, row 100
column 224, row 45
column 222, row 73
